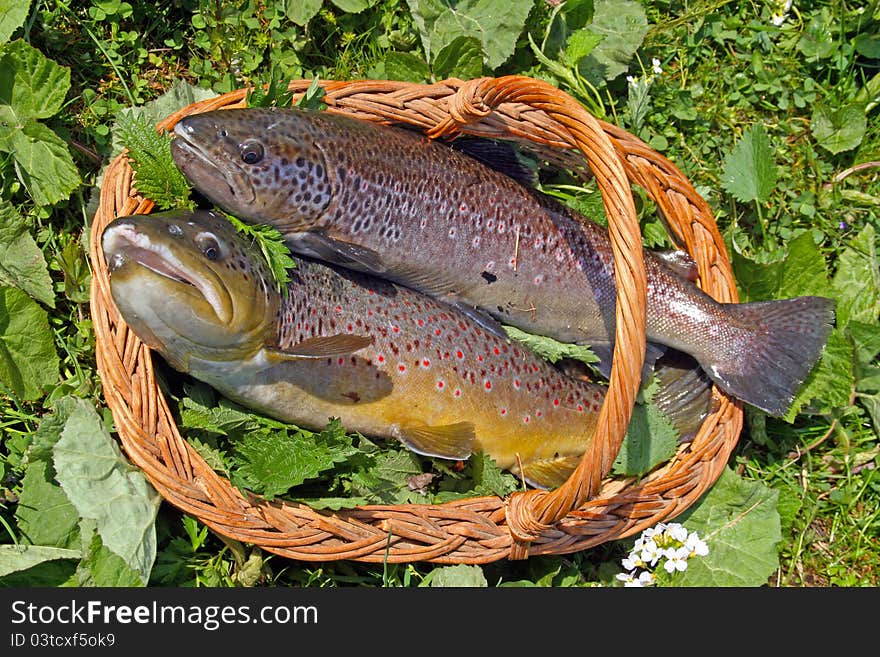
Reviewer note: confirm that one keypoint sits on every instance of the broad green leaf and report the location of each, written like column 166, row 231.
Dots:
column 406, row 66
column 459, row 575
column 45, row 515
column 838, row 130
column 302, row 11
column 496, row 23
column 830, row 383
column 740, row 523
column 12, row 15
column 650, row 439
column 104, row 487
column 33, row 85
column 22, row 263
column 14, row 558
column 353, row 6
column 868, row 45
column 43, row 163
column 866, row 343
column 100, row 566
column 817, row 41
column 857, row 279
column 749, row 172
column 482, row 477
column 28, row 360
column 622, row 24
column 462, row 58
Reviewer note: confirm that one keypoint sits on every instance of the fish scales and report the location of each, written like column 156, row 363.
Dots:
column 387, row 360
column 391, row 202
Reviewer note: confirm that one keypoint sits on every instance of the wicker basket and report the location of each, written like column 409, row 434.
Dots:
column 590, row 508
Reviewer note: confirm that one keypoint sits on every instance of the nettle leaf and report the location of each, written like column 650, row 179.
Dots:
column 650, row 439
column 839, row 130
column 387, row 482
column 104, row 487
column 740, row 523
column 830, row 383
column 156, row 176
column 551, row 349
column 28, row 359
column 22, row 263
column 12, row 16
column 749, row 172
column 622, row 24
column 272, row 246
column 30, row 83
column 481, row 476
column 462, row 58
column 857, row 279
column 272, row 464
column 496, row 23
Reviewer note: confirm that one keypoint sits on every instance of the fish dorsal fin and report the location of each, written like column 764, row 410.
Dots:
column 340, row 344
column 449, row 441
column 500, row 156
column 322, row 246
column 680, row 262
column 550, row 473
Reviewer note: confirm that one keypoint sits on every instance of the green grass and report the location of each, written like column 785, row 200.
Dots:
column 811, row 83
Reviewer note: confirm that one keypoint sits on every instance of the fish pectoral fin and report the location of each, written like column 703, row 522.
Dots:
column 341, row 344
column 605, row 352
column 346, row 254
column 550, row 473
column 449, row 441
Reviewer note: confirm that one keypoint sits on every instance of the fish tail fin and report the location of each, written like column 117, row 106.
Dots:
column 777, row 343
column 684, row 392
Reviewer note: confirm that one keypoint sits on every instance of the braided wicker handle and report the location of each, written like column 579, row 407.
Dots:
column 477, row 530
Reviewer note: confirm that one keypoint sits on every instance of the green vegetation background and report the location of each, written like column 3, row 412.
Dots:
column 770, row 109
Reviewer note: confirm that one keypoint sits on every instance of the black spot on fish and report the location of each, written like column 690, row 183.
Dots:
column 490, row 278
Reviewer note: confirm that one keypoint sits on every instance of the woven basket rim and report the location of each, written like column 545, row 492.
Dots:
column 591, row 507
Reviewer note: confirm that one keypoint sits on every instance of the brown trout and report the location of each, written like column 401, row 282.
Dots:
column 386, row 360
column 390, row 202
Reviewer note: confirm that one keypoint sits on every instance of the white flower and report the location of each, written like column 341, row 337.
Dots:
column 632, row 81
column 780, row 12
column 696, row 546
column 676, row 559
column 651, row 532
column 677, row 532
column 646, row 578
column 630, row 580
column 655, row 65
column 632, row 562
column 650, row 553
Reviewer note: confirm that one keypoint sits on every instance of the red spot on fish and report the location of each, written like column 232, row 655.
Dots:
column 340, row 361
column 459, row 354
column 437, row 332
column 426, row 363
column 420, row 322
column 516, row 383
column 401, row 368
column 488, row 385
column 370, row 292
column 440, row 385
column 527, row 419
column 305, row 327
column 457, row 392
column 480, row 357
column 339, row 309
column 350, row 328
column 396, row 329
column 380, row 359
column 538, row 414
column 497, row 351
column 556, row 402
column 503, row 411
column 580, row 408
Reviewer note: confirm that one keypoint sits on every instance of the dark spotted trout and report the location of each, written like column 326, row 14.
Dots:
column 390, row 202
column 388, row 361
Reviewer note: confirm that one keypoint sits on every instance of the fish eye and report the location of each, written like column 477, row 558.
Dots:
column 251, row 152
column 208, row 245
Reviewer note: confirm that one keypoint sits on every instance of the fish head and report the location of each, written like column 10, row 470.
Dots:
column 263, row 165
column 190, row 286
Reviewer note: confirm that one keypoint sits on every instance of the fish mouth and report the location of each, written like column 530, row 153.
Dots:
column 123, row 243
column 204, row 169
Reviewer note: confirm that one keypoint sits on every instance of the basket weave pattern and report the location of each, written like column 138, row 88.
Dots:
column 590, row 508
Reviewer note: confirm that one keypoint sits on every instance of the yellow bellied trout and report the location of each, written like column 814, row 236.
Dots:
column 388, row 201
column 388, row 361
